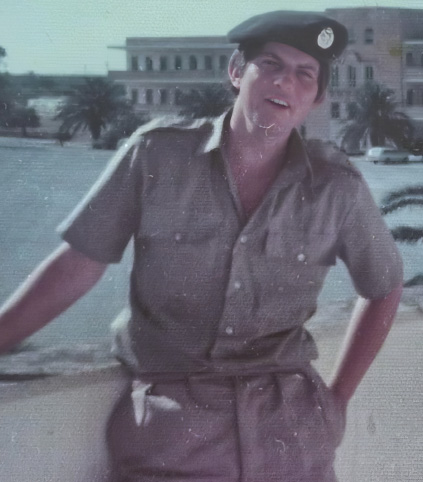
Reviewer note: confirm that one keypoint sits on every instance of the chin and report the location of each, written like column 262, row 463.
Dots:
column 276, row 125
column 264, row 122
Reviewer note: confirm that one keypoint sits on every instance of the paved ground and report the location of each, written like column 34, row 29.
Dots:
column 40, row 183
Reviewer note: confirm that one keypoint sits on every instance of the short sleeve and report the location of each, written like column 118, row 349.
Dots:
column 368, row 248
column 102, row 224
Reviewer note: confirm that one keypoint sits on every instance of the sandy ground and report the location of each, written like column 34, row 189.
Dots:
column 384, row 436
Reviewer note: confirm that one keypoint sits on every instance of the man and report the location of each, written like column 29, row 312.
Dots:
column 236, row 223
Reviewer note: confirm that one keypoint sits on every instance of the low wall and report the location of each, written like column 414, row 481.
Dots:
column 384, row 437
column 52, row 429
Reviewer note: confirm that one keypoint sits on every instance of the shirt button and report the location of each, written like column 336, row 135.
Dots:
column 243, row 239
column 229, row 330
column 301, row 257
column 237, row 285
column 178, row 236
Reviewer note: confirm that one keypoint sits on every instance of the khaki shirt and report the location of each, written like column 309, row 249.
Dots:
column 212, row 291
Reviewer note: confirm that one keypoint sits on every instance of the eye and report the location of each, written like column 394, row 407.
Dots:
column 307, row 74
column 270, row 63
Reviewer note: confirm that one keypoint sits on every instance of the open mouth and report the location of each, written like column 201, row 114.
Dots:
column 279, row 103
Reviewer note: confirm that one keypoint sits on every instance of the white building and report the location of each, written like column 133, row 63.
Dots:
column 386, row 46
column 159, row 69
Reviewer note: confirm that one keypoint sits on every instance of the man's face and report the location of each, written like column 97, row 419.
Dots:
column 277, row 88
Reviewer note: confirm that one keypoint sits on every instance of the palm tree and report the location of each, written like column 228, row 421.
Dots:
column 22, row 117
column 6, row 91
column 6, row 97
column 209, row 101
column 409, row 196
column 375, row 120
column 122, row 126
column 92, row 106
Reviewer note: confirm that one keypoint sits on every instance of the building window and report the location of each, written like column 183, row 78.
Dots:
column 208, row 62
column 335, row 112
column 334, row 76
column 178, row 96
column 178, row 62
column 148, row 63
column 410, row 97
column 421, row 60
column 192, row 62
column 352, row 110
column 134, row 96
column 409, row 59
column 368, row 36
column 149, row 96
column 163, row 96
column 351, row 36
column 223, row 62
column 134, row 63
column 163, row 63
column 368, row 72
column 352, row 77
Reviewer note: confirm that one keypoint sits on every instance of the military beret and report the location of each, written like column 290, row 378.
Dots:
column 321, row 37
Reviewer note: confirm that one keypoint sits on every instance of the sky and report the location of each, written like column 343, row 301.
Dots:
column 72, row 36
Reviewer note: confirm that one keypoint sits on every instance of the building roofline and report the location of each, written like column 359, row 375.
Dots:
column 205, row 42
column 381, row 7
column 197, row 38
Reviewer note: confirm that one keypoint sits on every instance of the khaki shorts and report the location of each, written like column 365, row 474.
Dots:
column 281, row 427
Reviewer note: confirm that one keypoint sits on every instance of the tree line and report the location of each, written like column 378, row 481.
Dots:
column 13, row 110
column 96, row 105
column 101, row 108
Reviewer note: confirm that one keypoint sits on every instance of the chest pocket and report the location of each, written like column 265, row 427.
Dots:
column 177, row 227
column 301, row 248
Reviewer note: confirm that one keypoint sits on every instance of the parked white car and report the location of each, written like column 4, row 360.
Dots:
column 387, row 155
column 415, row 158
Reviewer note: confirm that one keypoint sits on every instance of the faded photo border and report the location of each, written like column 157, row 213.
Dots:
column 58, row 387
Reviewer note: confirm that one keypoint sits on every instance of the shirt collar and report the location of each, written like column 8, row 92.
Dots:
column 214, row 138
column 297, row 165
column 297, row 159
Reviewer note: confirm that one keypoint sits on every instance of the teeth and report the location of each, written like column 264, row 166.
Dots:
column 280, row 102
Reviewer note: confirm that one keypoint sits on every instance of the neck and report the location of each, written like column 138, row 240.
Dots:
column 254, row 145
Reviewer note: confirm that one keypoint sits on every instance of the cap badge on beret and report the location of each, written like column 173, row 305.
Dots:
column 326, row 38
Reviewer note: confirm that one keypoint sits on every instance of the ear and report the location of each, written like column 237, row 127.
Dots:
column 234, row 69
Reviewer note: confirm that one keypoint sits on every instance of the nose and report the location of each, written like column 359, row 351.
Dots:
column 284, row 78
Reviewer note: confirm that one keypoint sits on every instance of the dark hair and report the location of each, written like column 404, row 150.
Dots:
column 250, row 51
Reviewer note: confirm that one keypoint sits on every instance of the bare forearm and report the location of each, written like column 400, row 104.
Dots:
column 369, row 326
column 57, row 283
